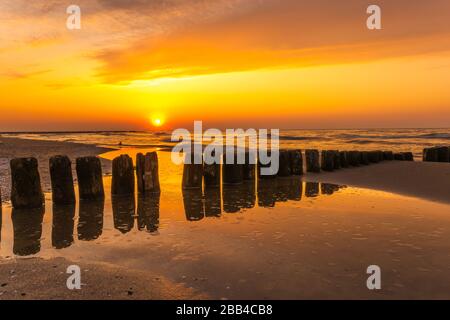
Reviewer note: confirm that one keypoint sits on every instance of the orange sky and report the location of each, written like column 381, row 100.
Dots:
column 258, row 63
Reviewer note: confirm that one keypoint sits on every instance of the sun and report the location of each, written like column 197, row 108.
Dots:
column 157, row 120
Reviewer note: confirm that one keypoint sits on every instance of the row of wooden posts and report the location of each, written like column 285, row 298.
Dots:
column 436, row 154
column 26, row 191
column 290, row 163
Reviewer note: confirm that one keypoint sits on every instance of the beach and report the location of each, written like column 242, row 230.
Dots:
column 304, row 238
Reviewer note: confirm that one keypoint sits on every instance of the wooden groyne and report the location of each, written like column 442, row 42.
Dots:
column 436, row 154
column 26, row 190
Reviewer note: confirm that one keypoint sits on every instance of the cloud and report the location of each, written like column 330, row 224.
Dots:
column 278, row 34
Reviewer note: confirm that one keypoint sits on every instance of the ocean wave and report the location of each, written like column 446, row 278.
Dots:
column 443, row 136
column 299, row 138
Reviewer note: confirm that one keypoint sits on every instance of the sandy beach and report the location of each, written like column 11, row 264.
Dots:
column 46, row 279
column 325, row 251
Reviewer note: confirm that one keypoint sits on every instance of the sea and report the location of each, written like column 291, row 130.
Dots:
column 397, row 140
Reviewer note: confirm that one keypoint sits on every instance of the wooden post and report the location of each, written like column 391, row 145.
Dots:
column 63, row 191
column 374, row 156
column 408, row 156
column 343, row 159
column 284, row 163
column 260, row 166
column 327, row 160
column 296, row 162
column 232, row 172
column 388, row 155
column 312, row 160
column 354, row 158
column 430, row 154
column 364, row 158
column 193, row 171
column 336, row 159
column 90, row 178
column 399, row 156
column 122, row 176
column 26, row 191
column 147, row 172
column 211, row 174
column 443, row 154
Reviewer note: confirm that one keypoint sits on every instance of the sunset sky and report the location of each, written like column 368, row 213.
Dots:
column 230, row 63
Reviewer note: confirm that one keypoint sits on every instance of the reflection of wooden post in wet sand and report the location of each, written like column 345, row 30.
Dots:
column 90, row 219
column 123, row 208
column 27, row 226
column 148, row 212
column 238, row 197
column 193, row 204
column 311, row 189
column 63, row 225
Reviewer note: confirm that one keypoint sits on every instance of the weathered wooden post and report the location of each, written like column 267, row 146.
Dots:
column 284, row 163
column 327, row 160
column 374, row 156
column 312, row 160
column 211, row 174
column 399, row 156
column 122, row 176
column 296, row 162
column 250, row 166
column 90, row 178
column 430, row 155
column 388, row 155
column 26, row 191
column 408, row 156
column 260, row 167
column 343, row 159
column 232, row 171
column 443, row 154
column 354, row 158
column 364, row 158
column 336, row 160
column 147, row 172
column 63, row 191
column 193, row 171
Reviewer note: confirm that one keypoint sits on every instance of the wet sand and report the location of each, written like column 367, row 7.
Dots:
column 426, row 180
column 42, row 150
column 35, row 278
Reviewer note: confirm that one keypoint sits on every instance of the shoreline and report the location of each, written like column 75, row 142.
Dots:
column 424, row 180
